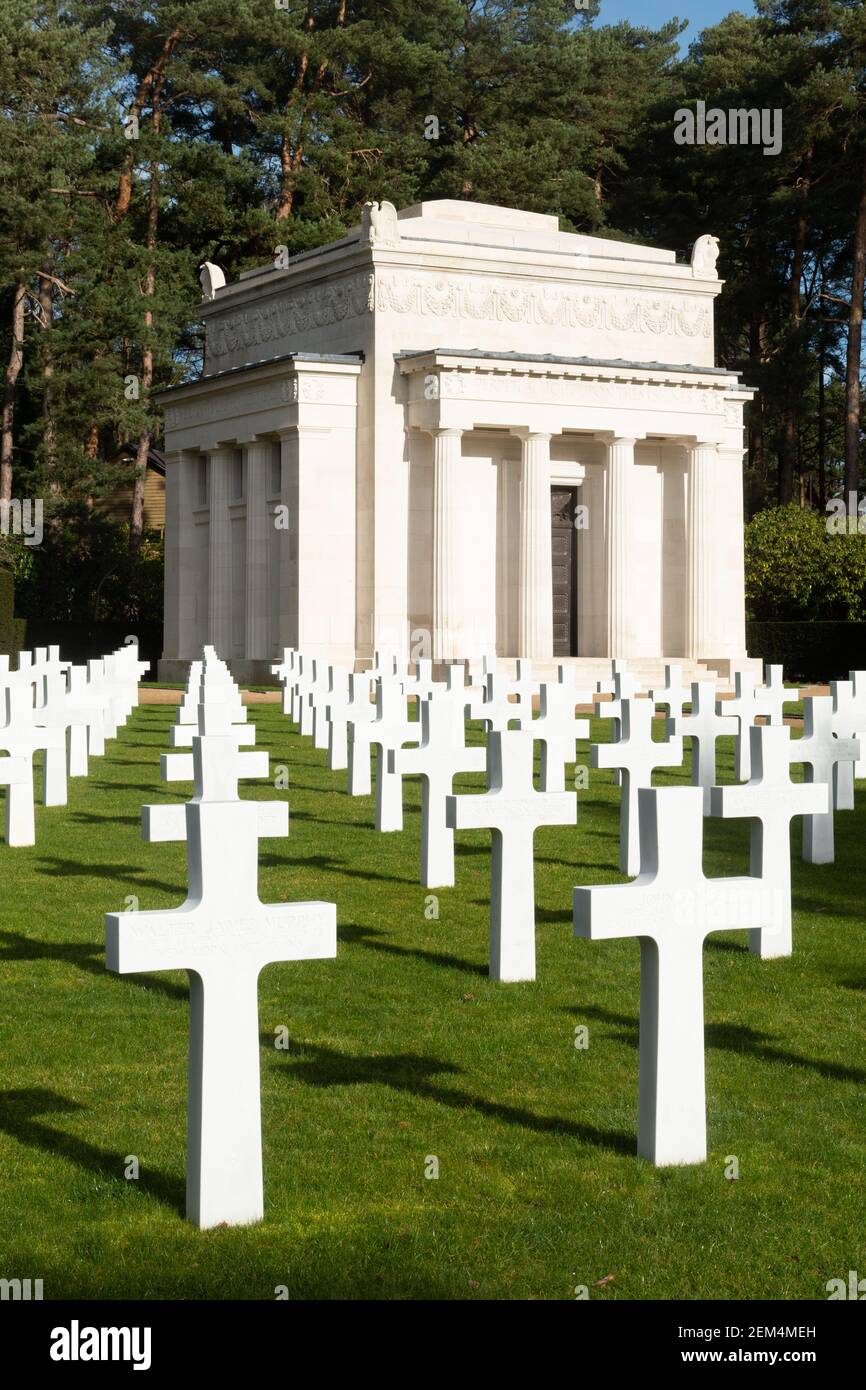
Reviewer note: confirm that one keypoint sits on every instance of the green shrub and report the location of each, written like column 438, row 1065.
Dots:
column 11, row 628
column 797, row 571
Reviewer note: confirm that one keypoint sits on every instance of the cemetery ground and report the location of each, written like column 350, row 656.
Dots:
column 402, row 1051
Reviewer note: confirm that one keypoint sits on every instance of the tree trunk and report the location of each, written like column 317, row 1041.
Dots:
column 13, row 371
column 855, row 344
column 822, row 435
column 757, row 452
column 153, row 80
column 143, row 445
column 49, row 430
column 292, row 149
column 790, row 417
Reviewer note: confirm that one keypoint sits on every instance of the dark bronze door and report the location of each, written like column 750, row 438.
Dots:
column 563, row 504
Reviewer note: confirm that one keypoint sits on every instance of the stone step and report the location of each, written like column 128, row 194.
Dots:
column 647, row 672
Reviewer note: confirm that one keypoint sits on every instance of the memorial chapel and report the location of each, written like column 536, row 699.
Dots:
column 459, row 432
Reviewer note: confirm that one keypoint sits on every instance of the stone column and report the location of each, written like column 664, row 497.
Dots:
column 702, row 465
column 619, row 501
column 219, row 627
column 535, row 603
column 181, row 480
column 448, row 621
column 257, row 467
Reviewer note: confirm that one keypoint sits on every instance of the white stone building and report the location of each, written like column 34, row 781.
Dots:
column 458, row 432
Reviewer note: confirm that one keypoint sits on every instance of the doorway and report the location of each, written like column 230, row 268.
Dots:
column 563, row 507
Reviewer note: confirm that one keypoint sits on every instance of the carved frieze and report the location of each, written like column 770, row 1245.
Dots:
column 465, row 297
column 290, row 314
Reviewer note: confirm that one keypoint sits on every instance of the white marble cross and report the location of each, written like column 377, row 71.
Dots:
column 480, row 668
column 440, row 756
column 303, row 684
column 283, row 670
column 21, row 738
column 386, row 666
column 618, row 667
column 671, row 908
column 497, row 711
column 98, row 679
column 771, row 697
column 771, row 800
column 223, row 935
column 820, row 750
column 337, row 712
column 557, row 730
column 388, row 730
column 858, row 684
column 422, row 684
column 455, row 682
column 849, row 721
column 513, row 810
column 88, row 741
column 623, row 686
column 741, row 706
column 318, row 696
column 673, row 694
column 360, row 710
column 636, row 755
column 750, row 702
column 62, row 710
column 525, row 685
column 221, row 711
column 703, row 726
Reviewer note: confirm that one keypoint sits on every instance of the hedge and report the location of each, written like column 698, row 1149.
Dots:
column 809, row 651
column 81, row 642
column 11, row 628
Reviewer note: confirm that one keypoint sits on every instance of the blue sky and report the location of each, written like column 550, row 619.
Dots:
column 653, row 13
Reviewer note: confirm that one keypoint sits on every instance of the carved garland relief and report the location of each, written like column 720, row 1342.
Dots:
column 456, row 298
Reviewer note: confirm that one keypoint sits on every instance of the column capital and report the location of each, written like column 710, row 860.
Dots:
column 524, row 433
column 612, row 438
column 445, row 431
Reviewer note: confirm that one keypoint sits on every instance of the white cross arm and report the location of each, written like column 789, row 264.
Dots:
column 182, row 735
column 13, row 770
column 752, row 800
column 667, row 911
column 495, row 810
column 165, row 824
column 178, row 767
column 153, row 941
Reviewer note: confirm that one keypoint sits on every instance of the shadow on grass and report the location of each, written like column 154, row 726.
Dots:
column 410, row 1072
column 154, row 789
column 19, row 1112
column 84, row 955
column 91, row 818
column 329, row 865
column 73, row 868
column 361, row 936
column 729, row 1037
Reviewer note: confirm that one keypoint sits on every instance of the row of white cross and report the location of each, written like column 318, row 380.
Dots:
column 66, row 712
column 654, row 823
column 223, row 935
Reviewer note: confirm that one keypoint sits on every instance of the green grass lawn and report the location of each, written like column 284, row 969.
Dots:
column 401, row 1049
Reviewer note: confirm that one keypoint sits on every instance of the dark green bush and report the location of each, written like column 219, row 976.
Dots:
column 796, row 570
column 11, row 628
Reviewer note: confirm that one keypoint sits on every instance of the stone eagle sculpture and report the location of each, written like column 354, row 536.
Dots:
column 379, row 225
column 211, row 279
column 705, row 254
